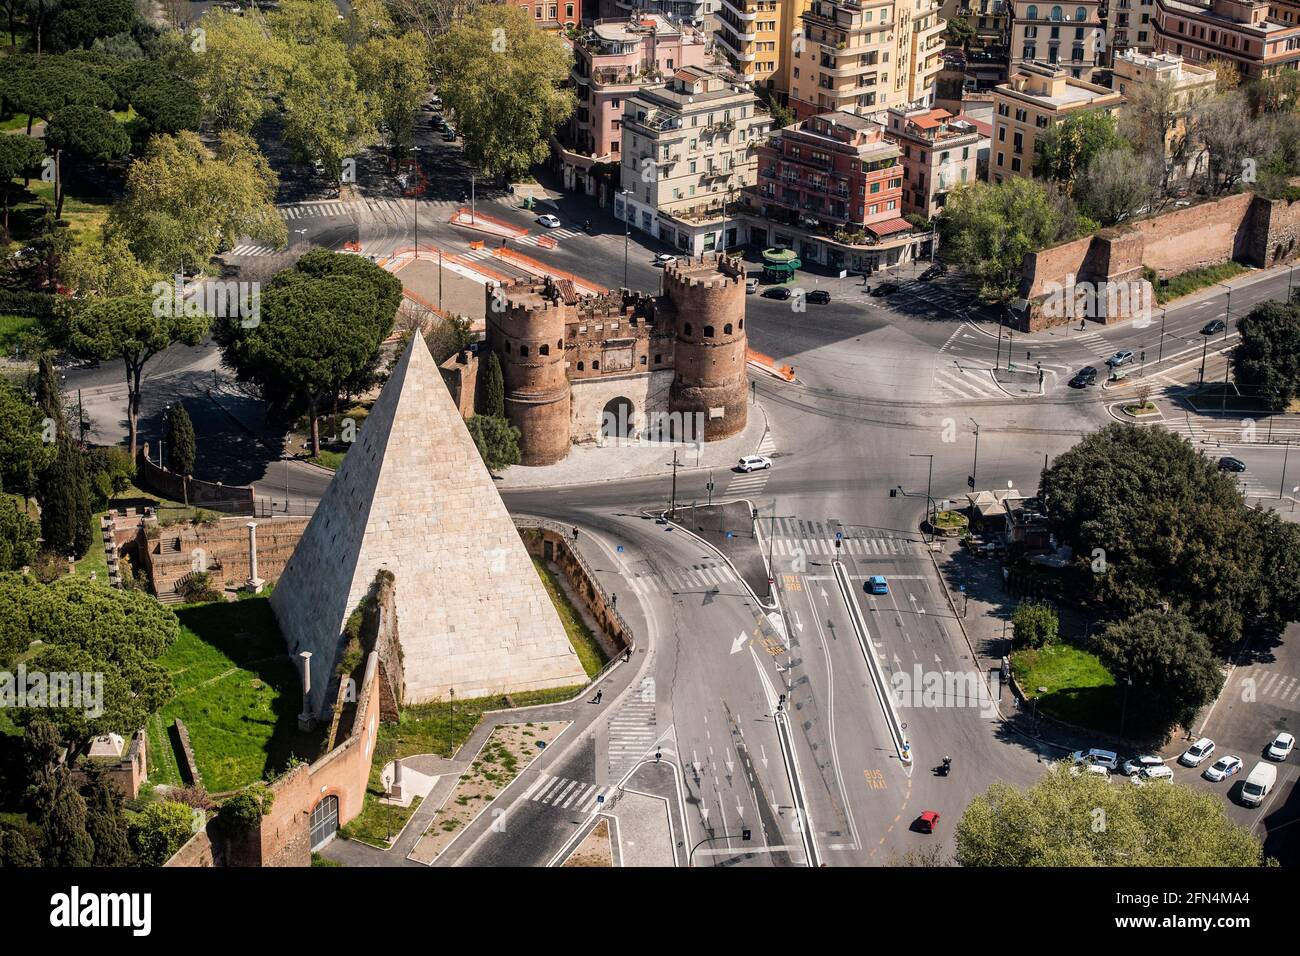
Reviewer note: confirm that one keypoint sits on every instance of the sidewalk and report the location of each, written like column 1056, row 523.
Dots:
column 590, row 464
column 729, row 528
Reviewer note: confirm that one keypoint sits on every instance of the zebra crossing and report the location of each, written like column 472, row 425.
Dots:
column 1252, row 487
column 249, row 249
column 531, row 240
column 633, row 729
column 794, row 537
column 965, row 384
column 1272, row 685
column 744, row 484
column 565, row 794
column 315, row 210
column 1095, row 344
column 709, row 573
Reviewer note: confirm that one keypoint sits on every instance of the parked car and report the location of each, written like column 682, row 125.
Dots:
column 1095, row 769
column 820, row 296
column 665, row 259
column 437, row 121
column 1281, row 747
column 753, row 463
column 1197, row 753
column 1136, row 765
column 1084, row 377
column 435, row 102
column 777, row 292
column 1214, row 325
column 876, row 584
column 927, row 821
column 885, row 288
column 550, row 222
column 1228, row 463
column 1223, row 768
column 1258, row 784
column 1153, row 773
column 933, row 272
column 1122, row 357
column 751, row 286
column 1096, row 757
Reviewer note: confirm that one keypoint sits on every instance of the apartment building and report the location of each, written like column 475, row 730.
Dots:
column 552, row 14
column 1190, row 85
column 1035, row 98
column 612, row 60
column 830, row 187
column 689, row 150
column 693, row 12
column 940, row 152
column 1130, row 25
column 1070, row 36
column 988, row 53
column 865, row 56
column 1244, row 32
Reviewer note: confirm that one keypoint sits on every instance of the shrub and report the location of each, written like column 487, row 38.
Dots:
column 1036, row 625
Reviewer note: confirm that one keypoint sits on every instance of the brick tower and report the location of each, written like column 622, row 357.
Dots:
column 525, row 327
column 708, row 298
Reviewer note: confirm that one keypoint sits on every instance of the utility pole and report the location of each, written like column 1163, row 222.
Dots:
column 1162, row 336
column 929, row 486
column 976, row 460
column 672, row 501
column 472, row 179
column 1200, row 378
column 627, row 234
column 416, row 198
column 1281, row 492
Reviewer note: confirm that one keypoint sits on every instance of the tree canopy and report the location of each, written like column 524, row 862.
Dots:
column 1266, row 360
column 1068, row 820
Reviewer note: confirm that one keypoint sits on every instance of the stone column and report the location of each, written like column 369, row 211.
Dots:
column 395, row 791
column 254, row 582
column 306, row 720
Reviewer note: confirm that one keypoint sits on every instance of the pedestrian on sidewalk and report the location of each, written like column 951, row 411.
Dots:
column 627, row 655
column 596, row 699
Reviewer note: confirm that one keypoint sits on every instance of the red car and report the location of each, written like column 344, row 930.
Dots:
column 927, row 821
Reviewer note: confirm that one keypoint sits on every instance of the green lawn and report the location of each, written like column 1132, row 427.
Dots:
column 584, row 643
column 238, row 693
column 1079, row 688
column 13, row 329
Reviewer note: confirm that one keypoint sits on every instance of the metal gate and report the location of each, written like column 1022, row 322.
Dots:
column 324, row 821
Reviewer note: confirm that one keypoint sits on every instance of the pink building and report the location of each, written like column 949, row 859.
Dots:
column 552, row 14
column 612, row 60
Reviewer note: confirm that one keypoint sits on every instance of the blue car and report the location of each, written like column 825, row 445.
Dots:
column 876, row 584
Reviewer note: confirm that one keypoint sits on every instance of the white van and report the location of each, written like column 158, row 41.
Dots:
column 1259, row 784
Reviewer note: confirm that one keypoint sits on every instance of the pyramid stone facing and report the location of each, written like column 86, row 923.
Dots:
column 413, row 497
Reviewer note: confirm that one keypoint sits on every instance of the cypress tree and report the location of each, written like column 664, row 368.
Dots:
column 493, row 393
column 181, row 443
column 49, row 397
column 65, row 504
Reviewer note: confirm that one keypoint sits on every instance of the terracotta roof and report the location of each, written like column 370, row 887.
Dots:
column 889, row 226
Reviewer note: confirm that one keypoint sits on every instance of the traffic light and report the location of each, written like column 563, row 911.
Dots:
column 970, row 482
column 893, row 492
column 753, row 513
column 744, row 834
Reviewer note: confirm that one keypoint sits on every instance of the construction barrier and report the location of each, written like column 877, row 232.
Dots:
column 765, row 363
column 546, row 242
column 485, row 223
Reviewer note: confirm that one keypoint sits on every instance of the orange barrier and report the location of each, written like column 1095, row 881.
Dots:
column 546, row 242
column 529, row 264
column 482, row 220
column 768, row 364
column 351, row 246
column 476, row 244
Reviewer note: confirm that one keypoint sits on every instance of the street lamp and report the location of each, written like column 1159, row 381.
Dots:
column 975, row 460
column 627, row 231
column 416, row 200
column 928, row 487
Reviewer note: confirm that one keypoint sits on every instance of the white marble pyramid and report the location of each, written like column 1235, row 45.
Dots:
column 413, row 496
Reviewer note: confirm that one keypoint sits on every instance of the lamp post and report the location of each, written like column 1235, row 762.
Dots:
column 975, row 461
column 416, row 200
column 1162, row 336
column 627, row 232
column 473, row 178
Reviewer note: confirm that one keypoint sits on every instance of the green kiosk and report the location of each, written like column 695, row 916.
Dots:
column 779, row 265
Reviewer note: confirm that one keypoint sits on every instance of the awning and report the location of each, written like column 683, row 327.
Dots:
column 889, row 227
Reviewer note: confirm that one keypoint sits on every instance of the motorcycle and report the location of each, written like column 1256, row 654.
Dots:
column 947, row 766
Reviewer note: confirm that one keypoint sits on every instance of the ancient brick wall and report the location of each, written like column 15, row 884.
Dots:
column 1204, row 234
column 647, row 393
column 525, row 327
column 709, row 357
column 222, row 548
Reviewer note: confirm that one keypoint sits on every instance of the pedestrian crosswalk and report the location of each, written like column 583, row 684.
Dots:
column 1260, row 683
column 531, row 240
column 1252, row 487
column 565, row 794
column 953, row 382
column 743, row 485
column 248, row 249
column 709, row 573
column 314, row 210
column 1094, row 343
column 477, row 255
column 633, row 730
column 795, row 538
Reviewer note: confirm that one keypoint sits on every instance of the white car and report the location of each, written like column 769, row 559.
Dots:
column 550, row 222
column 1136, row 765
column 1098, row 757
column 1281, row 747
column 1153, row 773
column 1094, row 769
column 1197, row 753
column 753, row 463
column 1223, row 768
column 664, row 259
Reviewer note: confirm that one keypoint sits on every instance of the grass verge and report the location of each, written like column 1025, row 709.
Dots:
column 588, row 649
column 1175, row 287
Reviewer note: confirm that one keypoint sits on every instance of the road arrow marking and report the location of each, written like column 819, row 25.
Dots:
column 738, row 644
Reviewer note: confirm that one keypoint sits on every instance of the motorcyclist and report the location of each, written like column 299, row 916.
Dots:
column 587, row 225
column 947, row 764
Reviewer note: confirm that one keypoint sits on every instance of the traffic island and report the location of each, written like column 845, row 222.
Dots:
column 730, row 529
column 1019, row 380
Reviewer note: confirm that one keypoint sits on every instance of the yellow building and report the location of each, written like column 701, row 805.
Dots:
column 755, row 36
